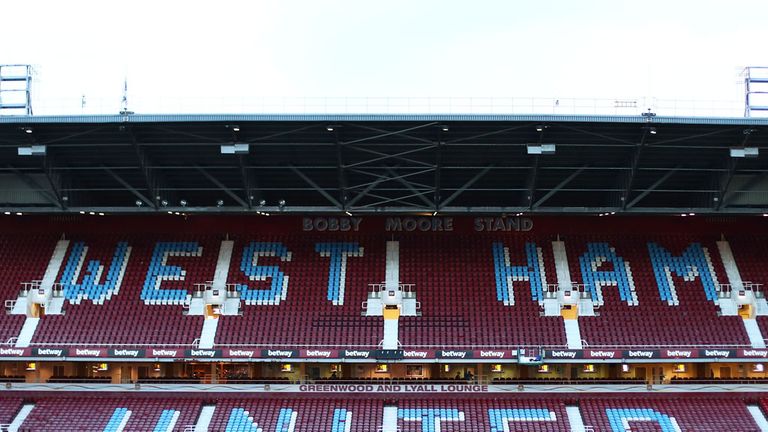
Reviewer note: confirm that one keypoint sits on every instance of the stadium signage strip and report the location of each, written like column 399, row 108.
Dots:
column 417, row 224
column 393, row 388
column 507, row 356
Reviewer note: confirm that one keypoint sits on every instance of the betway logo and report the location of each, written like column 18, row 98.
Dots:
column 87, row 352
column 747, row 353
column 278, row 353
column 11, row 351
column 602, row 354
column 716, row 353
column 126, row 353
column 164, row 353
column 241, row 353
column 49, row 352
column 415, row 354
column 318, row 353
column 563, row 354
column 202, row 353
column 492, row 354
column 641, row 354
column 678, row 353
column 454, row 354
column 356, row 354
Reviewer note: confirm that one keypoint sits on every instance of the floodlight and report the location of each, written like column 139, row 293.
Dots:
column 32, row 150
column 744, row 152
column 237, row 148
column 541, row 149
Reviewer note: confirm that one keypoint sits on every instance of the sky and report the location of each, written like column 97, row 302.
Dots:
column 231, row 56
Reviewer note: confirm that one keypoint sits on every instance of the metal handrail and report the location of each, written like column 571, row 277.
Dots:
column 441, row 346
column 400, row 105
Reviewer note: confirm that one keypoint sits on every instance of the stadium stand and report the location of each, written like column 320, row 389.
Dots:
column 305, row 316
column 445, row 272
column 366, row 413
column 307, row 415
column 23, row 258
column 690, row 413
column 93, row 413
column 747, row 252
column 497, row 415
column 690, row 319
column 115, row 321
column 9, row 406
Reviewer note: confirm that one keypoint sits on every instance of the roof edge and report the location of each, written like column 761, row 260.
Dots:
column 193, row 118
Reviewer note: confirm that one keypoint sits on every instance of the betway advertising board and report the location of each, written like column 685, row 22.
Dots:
column 362, row 354
column 655, row 354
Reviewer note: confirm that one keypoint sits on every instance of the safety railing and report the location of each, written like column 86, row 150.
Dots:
column 726, row 290
column 395, row 105
column 404, row 287
column 9, row 305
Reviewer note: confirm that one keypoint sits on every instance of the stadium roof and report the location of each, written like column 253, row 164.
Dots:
column 383, row 164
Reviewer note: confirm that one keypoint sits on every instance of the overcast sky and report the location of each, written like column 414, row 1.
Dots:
column 232, row 53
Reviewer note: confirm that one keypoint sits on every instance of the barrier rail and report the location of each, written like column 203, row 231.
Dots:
column 396, row 105
column 382, row 286
column 407, row 347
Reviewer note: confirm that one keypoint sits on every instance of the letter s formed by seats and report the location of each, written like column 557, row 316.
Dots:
column 278, row 290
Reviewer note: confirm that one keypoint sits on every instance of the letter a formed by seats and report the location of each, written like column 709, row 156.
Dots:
column 595, row 278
